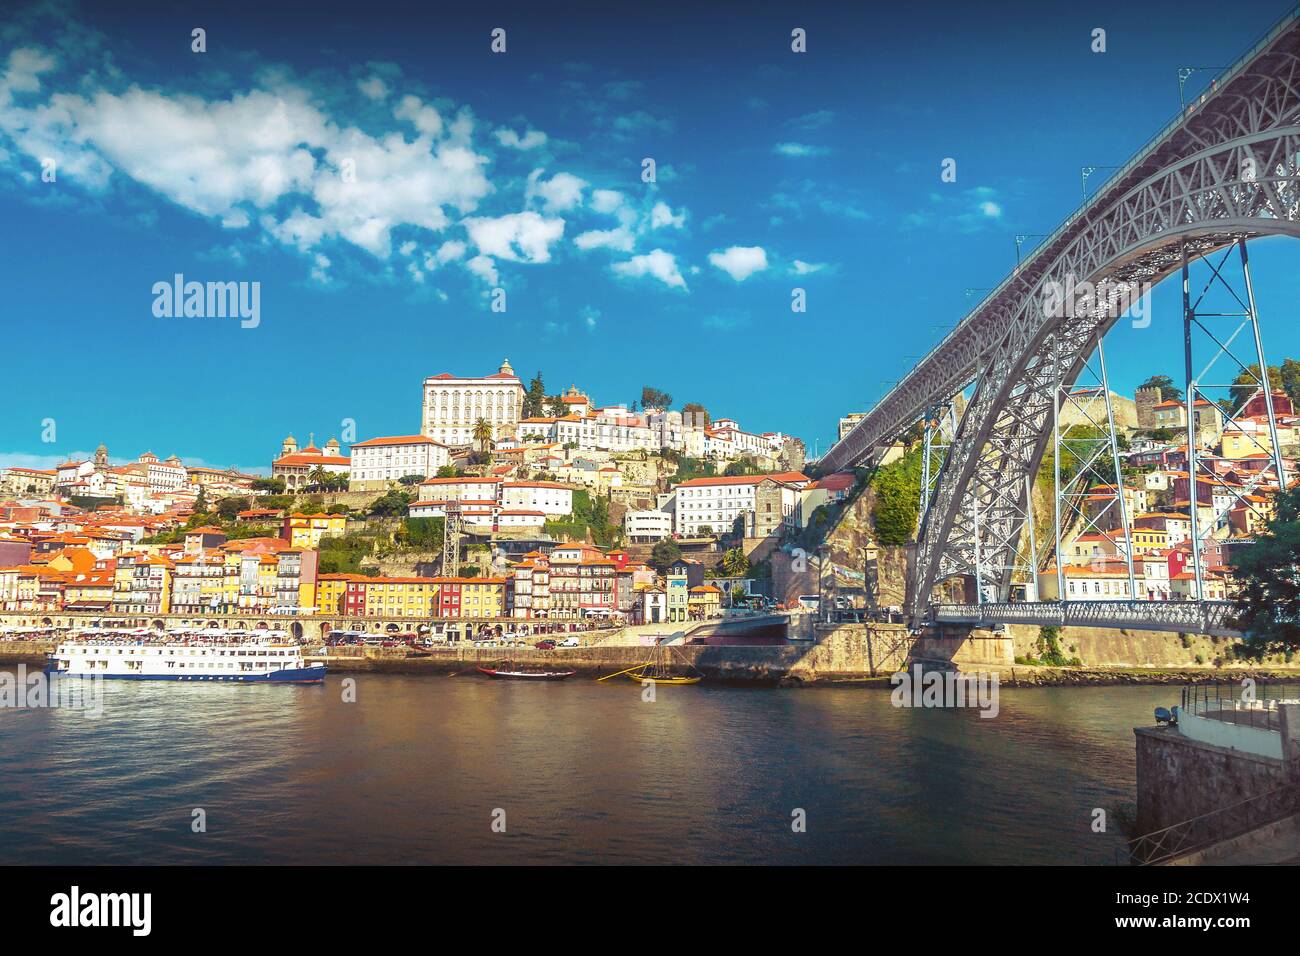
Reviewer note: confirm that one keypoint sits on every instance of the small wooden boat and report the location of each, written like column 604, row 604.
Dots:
column 649, row 673
column 519, row 673
column 660, row 669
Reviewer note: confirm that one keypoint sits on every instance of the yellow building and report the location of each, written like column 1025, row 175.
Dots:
column 704, row 601
column 1148, row 540
column 391, row 597
column 471, row 597
column 305, row 531
column 142, row 584
column 330, row 591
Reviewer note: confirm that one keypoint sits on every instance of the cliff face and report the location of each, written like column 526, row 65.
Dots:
column 846, row 569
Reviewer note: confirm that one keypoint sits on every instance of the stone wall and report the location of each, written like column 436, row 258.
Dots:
column 1179, row 779
column 847, row 653
column 1104, row 647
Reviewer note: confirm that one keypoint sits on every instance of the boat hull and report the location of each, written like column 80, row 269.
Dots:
column 640, row 679
column 314, row 674
column 524, row 675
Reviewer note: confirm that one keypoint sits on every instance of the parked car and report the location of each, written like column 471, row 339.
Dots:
column 547, row 645
column 568, row 642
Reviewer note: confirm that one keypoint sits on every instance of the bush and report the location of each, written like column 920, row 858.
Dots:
column 898, row 499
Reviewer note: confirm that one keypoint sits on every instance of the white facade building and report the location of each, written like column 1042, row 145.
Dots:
column 645, row 527
column 379, row 461
column 453, row 405
column 548, row 497
column 715, row 503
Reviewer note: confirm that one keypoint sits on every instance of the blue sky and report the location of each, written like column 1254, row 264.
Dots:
column 522, row 171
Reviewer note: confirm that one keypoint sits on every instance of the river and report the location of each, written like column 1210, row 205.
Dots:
column 416, row 768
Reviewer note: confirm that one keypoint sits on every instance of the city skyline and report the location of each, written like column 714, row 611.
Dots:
column 489, row 181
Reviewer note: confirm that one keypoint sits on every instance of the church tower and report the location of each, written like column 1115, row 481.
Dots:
column 289, row 447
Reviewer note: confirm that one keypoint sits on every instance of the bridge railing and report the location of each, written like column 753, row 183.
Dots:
column 1193, row 617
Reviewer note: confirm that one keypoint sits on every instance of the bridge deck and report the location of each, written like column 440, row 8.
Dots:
column 1192, row 617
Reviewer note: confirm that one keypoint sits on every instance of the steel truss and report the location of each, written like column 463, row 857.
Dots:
column 451, row 523
column 1225, row 170
column 1233, row 375
column 1189, row 617
column 1090, row 499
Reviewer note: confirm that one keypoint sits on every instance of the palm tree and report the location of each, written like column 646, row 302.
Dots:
column 482, row 434
column 319, row 477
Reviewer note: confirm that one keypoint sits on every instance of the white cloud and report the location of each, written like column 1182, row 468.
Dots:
column 423, row 117
column 561, row 192
column 373, row 87
column 662, row 215
column 607, row 201
column 799, row 149
column 620, row 239
column 740, row 262
column 26, row 64
column 991, row 209
column 485, row 269
column 802, row 268
column 530, row 140
column 657, row 264
column 517, row 237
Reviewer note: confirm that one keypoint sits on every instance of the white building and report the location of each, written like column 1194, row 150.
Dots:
column 453, row 405
column 379, row 461
column 715, row 503
column 644, row 527
column 548, row 497
column 164, row 476
column 465, row 488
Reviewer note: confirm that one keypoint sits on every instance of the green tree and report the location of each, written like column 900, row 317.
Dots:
column 555, row 406
column 1245, row 385
column 535, row 398
column 424, row 534
column 1291, row 380
column 229, row 508
column 1267, row 575
column 482, row 434
column 391, row 505
column 1168, row 390
column 663, row 554
column 448, row 471
column 698, row 414
column 741, row 467
column 201, row 500
column 734, row 563
column 410, row 480
column 898, row 498
column 654, row 398
column 274, row 485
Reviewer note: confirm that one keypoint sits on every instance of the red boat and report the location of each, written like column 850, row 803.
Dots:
column 516, row 673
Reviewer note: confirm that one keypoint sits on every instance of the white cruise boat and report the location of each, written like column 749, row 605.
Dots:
column 223, row 657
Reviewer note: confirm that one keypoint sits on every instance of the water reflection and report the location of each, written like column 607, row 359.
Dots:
column 585, row 772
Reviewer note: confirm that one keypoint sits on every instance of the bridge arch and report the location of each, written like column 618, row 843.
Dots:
column 1007, row 427
column 1227, row 169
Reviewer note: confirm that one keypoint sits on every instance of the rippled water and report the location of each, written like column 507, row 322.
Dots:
column 585, row 772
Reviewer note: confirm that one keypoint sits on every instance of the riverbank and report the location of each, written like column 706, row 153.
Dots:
column 859, row 659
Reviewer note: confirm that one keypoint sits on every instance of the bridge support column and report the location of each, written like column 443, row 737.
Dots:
column 1228, row 387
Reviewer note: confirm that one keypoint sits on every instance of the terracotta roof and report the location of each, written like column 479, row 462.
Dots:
column 397, row 440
